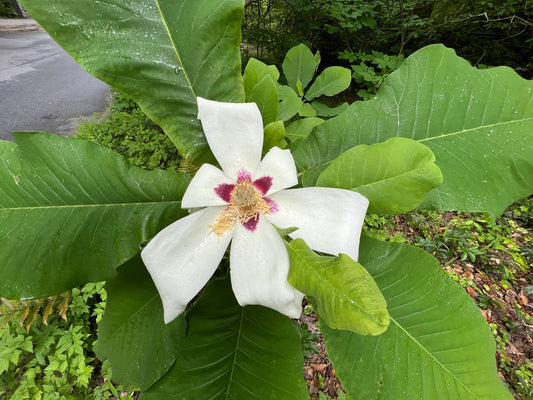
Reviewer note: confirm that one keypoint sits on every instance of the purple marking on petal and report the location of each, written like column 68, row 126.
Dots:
column 251, row 225
column 243, row 175
column 273, row 205
column 263, row 184
column 224, row 191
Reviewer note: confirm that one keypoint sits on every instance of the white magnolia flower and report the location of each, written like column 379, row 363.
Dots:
column 242, row 203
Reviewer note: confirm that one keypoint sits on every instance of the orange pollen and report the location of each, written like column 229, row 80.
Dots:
column 246, row 203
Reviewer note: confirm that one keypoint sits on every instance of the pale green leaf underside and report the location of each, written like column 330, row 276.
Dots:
column 299, row 67
column 233, row 352
column 330, row 82
column 72, row 211
column 438, row 346
column 132, row 334
column 343, row 293
column 394, row 175
column 161, row 53
column 479, row 124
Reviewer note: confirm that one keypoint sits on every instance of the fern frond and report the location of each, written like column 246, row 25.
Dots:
column 62, row 307
column 48, row 309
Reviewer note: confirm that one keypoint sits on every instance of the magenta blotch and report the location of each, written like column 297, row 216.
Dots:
column 224, row 191
column 263, row 184
column 251, row 224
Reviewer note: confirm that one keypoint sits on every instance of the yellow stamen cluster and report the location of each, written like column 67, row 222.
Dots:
column 246, row 202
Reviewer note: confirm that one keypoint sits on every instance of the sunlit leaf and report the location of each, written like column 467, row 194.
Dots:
column 437, row 337
column 161, row 53
column 343, row 293
column 72, row 211
column 394, row 176
column 478, row 123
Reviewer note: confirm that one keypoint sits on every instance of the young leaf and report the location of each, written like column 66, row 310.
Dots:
column 343, row 293
column 289, row 103
column 300, row 129
column 265, row 95
column 299, row 67
column 274, row 135
column 255, row 71
column 437, row 335
column 161, row 53
column 394, row 176
column 330, row 82
column 478, row 123
column 132, row 334
column 234, row 352
column 72, row 211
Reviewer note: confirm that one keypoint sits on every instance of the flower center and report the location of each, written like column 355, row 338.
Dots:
column 246, row 202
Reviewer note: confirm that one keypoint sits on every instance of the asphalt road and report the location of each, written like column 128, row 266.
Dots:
column 42, row 88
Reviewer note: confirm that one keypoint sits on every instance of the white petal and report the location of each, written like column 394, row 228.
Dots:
column 329, row 220
column 201, row 190
column 182, row 257
column 279, row 164
column 234, row 132
column 259, row 264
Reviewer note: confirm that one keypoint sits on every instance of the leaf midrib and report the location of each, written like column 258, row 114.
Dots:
column 69, row 206
column 175, row 48
column 433, row 357
column 431, row 138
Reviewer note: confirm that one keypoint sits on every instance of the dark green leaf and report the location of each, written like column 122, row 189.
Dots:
column 437, row 336
column 394, row 176
column 234, row 352
column 132, row 334
column 343, row 292
column 161, row 53
column 72, row 211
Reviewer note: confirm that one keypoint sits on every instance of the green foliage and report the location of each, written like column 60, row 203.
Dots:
column 395, row 176
column 132, row 334
column 342, row 292
column 129, row 132
column 488, row 32
column 455, row 354
column 156, row 53
column 370, row 70
column 55, row 361
column 83, row 201
column 466, row 116
column 7, row 9
column 246, row 352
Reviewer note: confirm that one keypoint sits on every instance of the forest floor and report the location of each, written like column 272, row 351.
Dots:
column 491, row 260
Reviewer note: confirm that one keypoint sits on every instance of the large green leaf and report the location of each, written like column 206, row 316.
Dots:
column 394, row 176
column 161, row 53
column 234, row 352
column 342, row 291
column 72, row 211
column 479, row 124
column 132, row 334
column 299, row 67
column 437, row 346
